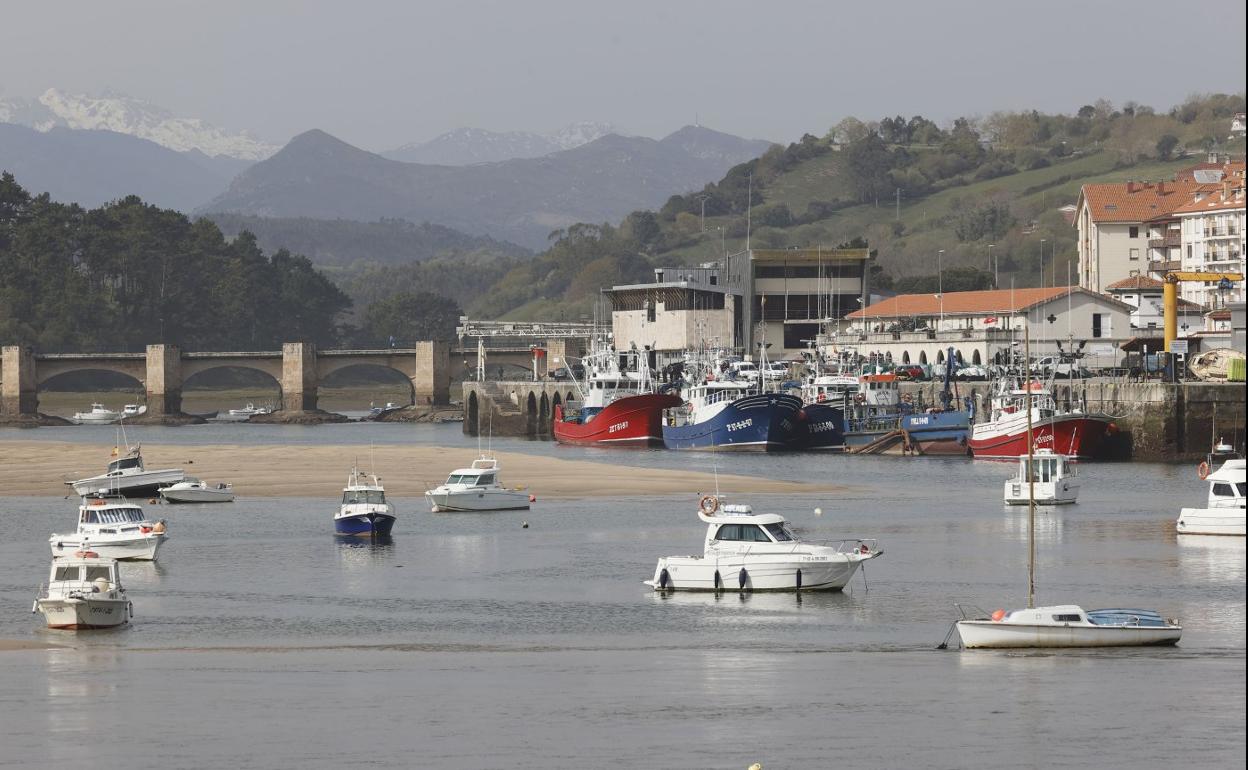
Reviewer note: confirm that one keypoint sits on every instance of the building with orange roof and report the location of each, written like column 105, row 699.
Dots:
column 1211, row 227
column 1143, row 294
column 984, row 327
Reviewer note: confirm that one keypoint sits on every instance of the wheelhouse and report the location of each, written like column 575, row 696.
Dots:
column 124, row 464
column 111, row 515
column 363, row 497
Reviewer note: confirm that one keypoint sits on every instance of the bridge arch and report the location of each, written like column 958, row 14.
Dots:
column 472, row 416
column 386, row 378
column 123, row 387
column 258, row 376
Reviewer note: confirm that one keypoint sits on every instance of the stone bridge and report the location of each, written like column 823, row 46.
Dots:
column 298, row 368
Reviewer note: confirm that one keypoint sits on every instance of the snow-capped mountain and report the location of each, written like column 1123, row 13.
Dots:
column 135, row 117
column 466, row 146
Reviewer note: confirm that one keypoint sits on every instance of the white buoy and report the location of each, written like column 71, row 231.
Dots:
column 524, row 525
column 818, row 511
column 759, row 765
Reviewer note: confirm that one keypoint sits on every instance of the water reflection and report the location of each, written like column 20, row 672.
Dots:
column 1212, row 559
column 1049, row 524
column 81, row 685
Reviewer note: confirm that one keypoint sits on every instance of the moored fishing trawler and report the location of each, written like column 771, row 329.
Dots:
column 1003, row 434
column 730, row 415
column 112, row 527
column 84, row 592
column 617, row 404
column 364, row 511
column 759, row 552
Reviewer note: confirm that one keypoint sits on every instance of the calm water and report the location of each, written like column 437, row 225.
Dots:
column 260, row 641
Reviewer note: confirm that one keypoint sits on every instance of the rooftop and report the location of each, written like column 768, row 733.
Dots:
column 969, row 302
column 1135, row 201
column 1135, row 283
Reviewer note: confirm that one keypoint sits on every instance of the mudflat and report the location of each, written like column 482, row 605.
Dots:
column 38, row 468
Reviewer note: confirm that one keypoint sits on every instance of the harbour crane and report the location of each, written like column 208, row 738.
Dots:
column 1170, row 295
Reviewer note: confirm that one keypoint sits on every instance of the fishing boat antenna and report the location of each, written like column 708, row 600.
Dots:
column 1031, row 480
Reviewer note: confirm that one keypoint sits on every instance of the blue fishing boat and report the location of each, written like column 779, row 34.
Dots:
column 731, row 415
column 364, row 511
column 821, row 422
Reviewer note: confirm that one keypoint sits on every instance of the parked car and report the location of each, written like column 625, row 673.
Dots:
column 973, row 372
column 909, row 372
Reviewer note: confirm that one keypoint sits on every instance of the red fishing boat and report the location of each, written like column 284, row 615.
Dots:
column 618, row 404
column 1074, row 433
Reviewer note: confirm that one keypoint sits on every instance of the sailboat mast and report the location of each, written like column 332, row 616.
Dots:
column 1031, row 479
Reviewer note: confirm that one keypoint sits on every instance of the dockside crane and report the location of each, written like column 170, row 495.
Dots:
column 1170, row 295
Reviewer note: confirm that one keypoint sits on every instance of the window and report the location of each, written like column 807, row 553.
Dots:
column 650, row 311
column 1073, row 618
column 95, row 573
column 1134, row 254
column 1096, row 325
column 486, row 478
column 66, row 573
column 748, row 533
column 1223, row 490
column 1133, row 232
column 778, row 532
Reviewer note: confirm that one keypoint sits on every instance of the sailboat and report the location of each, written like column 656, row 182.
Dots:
column 1064, row 625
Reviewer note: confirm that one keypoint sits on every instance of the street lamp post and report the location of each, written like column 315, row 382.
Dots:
column 990, row 267
column 940, row 284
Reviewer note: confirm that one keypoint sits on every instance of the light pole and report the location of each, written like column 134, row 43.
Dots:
column 990, row 265
column 940, row 284
column 1042, row 240
column 703, row 219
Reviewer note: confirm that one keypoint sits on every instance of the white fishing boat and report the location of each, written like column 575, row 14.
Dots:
column 477, row 488
column 134, row 410
column 758, row 552
column 249, row 411
column 364, row 511
column 83, row 592
column 1063, row 625
column 128, row 476
column 112, row 527
column 1052, row 480
column 193, row 490
column 99, row 415
column 1223, row 513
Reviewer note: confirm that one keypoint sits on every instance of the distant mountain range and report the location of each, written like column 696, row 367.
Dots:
column 465, row 146
column 519, row 200
column 135, row 117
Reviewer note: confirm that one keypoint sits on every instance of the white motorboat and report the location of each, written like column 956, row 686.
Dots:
column 250, row 410
column 84, row 591
column 1063, row 625
column 134, row 410
column 758, row 552
column 113, row 528
column 1223, row 513
column 364, row 511
column 128, row 476
column 99, row 415
column 1053, row 480
column 193, row 490
column 477, row 489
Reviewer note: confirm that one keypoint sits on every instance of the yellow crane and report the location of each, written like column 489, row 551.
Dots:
column 1170, row 296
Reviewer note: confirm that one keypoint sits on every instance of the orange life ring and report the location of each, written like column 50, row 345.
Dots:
column 97, row 501
column 708, row 504
column 822, row 397
column 1202, row 470
column 859, row 398
column 86, row 554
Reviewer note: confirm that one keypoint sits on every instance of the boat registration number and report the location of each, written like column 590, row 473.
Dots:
column 822, row 427
column 618, row 426
column 741, row 424
column 1044, row 438
column 920, row 420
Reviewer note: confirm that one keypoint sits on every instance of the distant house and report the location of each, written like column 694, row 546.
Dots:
column 1238, row 125
column 1143, row 294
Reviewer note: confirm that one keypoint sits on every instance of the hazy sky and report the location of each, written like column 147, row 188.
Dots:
column 380, row 73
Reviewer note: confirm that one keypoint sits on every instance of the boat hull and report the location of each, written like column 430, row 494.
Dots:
column 1211, row 521
column 987, row 634
column 364, row 525
column 132, row 485
column 142, row 548
column 765, row 422
column 777, row 572
column 1064, row 492
column 1076, row 436
column 83, row 614
column 937, row 433
column 196, row 496
column 628, row 421
column 820, row 426
column 477, row 500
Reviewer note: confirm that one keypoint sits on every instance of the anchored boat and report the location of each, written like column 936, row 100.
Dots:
column 84, row 592
column 750, row 551
column 193, row 490
column 617, row 403
column 1223, row 513
column 1003, row 435
column 364, row 511
column 128, row 476
column 477, row 488
column 1046, row 477
column 98, row 415
column 113, row 528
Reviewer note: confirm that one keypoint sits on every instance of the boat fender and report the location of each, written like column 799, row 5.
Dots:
column 1202, row 470
column 708, row 504
column 159, row 527
column 799, row 579
column 742, row 577
column 532, row 498
column 718, row 582
column 664, row 579
column 998, row 615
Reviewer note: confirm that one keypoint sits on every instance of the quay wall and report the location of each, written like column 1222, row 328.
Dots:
column 1169, row 422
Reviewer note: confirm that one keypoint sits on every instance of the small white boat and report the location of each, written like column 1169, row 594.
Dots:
column 133, row 410
column 128, row 476
column 1223, row 513
column 84, row 592
column 1065, row 625
column 1054, row 477
column 99, row 415
column 378, row 411
column 477, row 489
column 193, row 490
column 250, row 410
column 112, row 528
column 364, row 511
column 758, row 552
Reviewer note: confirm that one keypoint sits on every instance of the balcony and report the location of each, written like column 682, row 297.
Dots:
column 1166, row 242
column 1221, row 232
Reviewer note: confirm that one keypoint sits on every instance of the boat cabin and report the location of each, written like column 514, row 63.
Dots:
column 483, row 473
column 1228, row 486
column 364, row 495
column 96, row 512
column 119, row 467
column 878, row 390
column 1045, row 466
column 83, row 571
column 739, row 524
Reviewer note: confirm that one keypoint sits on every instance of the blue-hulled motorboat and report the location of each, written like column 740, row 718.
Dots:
column 364, row 511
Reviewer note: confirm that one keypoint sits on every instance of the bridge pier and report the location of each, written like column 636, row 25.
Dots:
column 164, row 380
column 432, row 382
column 19, row 394
column 299, row 377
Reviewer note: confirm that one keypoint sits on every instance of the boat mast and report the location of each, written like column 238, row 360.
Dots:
column 1031, row 481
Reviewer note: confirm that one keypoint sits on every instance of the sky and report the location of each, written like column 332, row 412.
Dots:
column 382, row 73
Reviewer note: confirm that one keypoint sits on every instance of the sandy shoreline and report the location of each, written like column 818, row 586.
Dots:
column 39, row 468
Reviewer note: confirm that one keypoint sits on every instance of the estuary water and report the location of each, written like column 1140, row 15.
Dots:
column 468, row 641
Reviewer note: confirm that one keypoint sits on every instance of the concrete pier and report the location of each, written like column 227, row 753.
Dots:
column 514, row 408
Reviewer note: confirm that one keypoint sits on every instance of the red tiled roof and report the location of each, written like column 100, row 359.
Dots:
column 968, row 302
column 1135, row 201
column 1135, row 282
column 1215, row 201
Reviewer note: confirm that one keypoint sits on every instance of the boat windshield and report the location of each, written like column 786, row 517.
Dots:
column 125, row 463
column 751, row 533
column 1044, row 469
column 357, row 496
column 113, row 516
column 66, row 573
column 463, row 478
column 780, row 532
